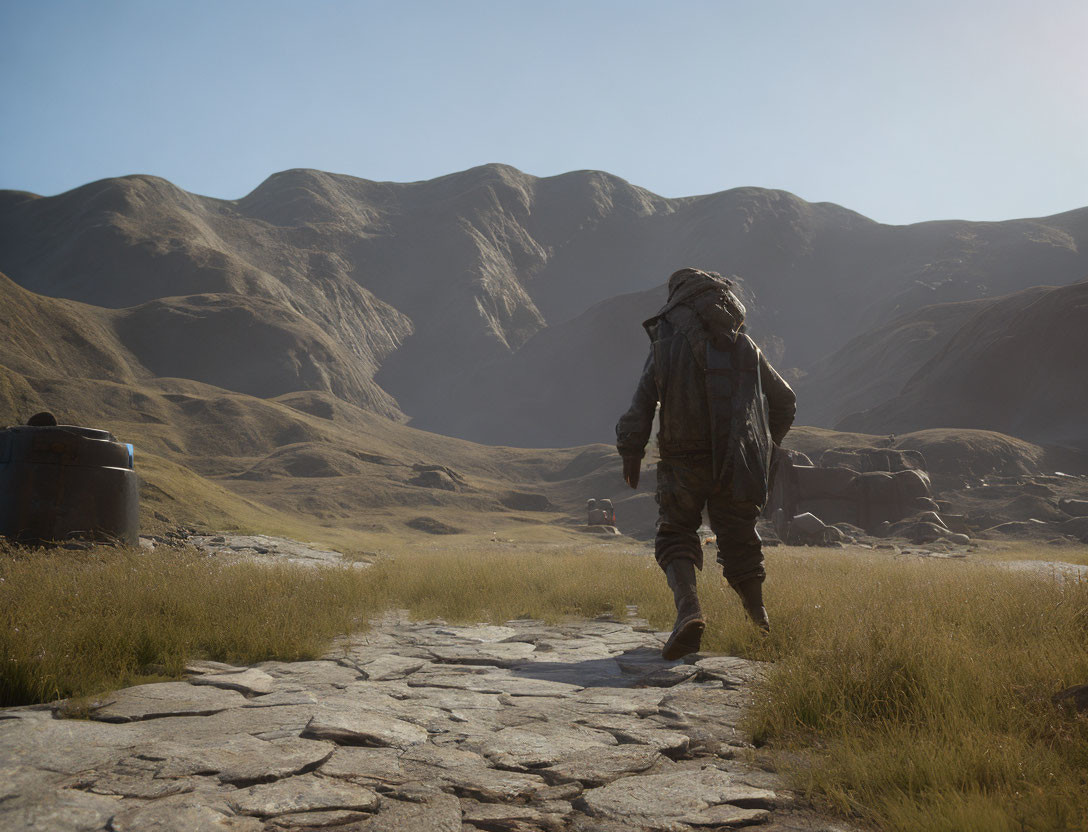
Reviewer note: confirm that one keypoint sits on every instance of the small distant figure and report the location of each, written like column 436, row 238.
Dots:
column 609, row 511
column 600, row 513
column 723, row 407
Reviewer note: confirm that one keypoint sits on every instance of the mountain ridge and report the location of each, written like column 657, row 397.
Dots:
column 422, row 286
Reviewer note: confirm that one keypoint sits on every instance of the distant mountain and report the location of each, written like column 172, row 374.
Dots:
column 873, row 367
column 1017, row 365
column 440, row 299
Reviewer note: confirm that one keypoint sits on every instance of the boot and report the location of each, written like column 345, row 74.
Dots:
column 687, row 634
column 751, row 595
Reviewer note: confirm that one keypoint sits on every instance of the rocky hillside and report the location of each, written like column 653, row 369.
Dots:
column 254, row 345
column 1014, row 365
column 434, row 298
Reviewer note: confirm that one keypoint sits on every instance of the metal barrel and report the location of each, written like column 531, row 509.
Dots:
column 63, row 481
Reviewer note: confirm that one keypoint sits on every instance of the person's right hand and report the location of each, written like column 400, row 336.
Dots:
column 632, row 465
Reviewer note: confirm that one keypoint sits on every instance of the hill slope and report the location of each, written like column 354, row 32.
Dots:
column 1014, row 365
column 420, row 286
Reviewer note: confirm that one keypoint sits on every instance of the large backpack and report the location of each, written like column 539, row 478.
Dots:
column 712, row 323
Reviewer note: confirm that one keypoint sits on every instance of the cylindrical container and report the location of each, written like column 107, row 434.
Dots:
column 63, row 481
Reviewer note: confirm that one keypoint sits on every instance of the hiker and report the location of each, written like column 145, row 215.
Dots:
column 722, row 406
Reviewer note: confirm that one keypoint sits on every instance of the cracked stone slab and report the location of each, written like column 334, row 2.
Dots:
column 427, row 810
column 540, row 744
column 527, row 686
column 251, row 681
column 732, row 671
column 455, row 699
column 640, row 732
column 68, row 809
column 367, row 766
column 492, row 785
column 145, row 787
column 164, row 699
column 656, row 800
column 726, row 816
column 508, row 654
column 704, row 713
column 287, row 697
column 159, row 816
column 387, row 668
column 305, row 793
column 284, row 721
column 594, row 767
column 478, row 633
column 198, row 667
column 667, row 677
column 497, row 817
column 66, row 746
column 317, row 820
column 619, row 701
column 239, row 759
column 493, row 683
column 360, row 726
column 441, row 756
column 312, row 675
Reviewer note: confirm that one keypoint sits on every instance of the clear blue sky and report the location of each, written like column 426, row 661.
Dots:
column 904, row 111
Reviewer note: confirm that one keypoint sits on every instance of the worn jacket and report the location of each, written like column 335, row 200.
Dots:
column 675, row 378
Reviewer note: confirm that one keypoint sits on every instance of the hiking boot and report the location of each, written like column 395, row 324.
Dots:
column 751, row 595
column 687, row 634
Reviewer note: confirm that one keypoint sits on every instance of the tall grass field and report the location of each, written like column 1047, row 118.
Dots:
column 906, row 694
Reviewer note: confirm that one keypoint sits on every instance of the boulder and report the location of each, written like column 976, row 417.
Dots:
column 434, row 479
column 525, row 501
column 1074, row 508
column 808, row 530
column 438, row 476
column 1077, row 527
column 431, row 526
column 924, row 527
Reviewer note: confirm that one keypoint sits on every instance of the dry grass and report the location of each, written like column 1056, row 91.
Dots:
column 78, row 623
column 912, row 694
column 920, row 691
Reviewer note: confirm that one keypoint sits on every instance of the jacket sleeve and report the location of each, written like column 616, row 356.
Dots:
column 634, row 427
column 781, row 400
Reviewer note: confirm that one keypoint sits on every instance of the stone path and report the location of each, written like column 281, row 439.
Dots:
column 262, row 548
column 412, row 727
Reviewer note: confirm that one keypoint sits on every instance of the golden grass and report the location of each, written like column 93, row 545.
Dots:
column 920, row 691
column 76, row 623
column 910, row 694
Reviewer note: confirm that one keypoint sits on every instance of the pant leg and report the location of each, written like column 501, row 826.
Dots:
column 683, row 485
column 740, row 551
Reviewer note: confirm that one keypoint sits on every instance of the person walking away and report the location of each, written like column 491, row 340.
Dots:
column 723, row 406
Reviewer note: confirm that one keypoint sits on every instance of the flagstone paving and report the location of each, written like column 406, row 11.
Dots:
column 412, row 727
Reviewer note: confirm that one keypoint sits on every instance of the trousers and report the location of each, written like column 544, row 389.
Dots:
column 685, row 485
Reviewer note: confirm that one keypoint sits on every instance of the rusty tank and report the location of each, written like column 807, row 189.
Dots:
column 59, row 482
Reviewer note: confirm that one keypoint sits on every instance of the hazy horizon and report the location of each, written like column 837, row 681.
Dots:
column 965, row 110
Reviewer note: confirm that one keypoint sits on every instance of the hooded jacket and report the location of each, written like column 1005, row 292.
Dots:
column 701, row 308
